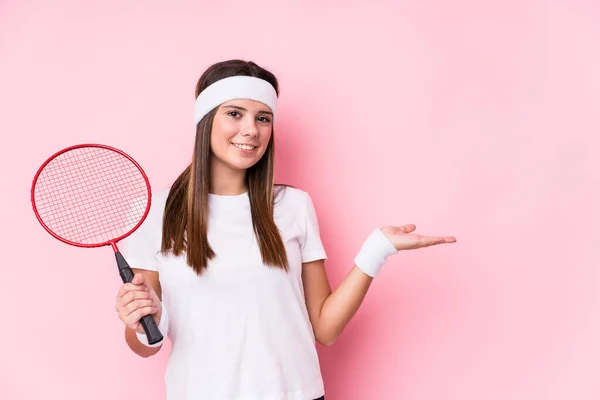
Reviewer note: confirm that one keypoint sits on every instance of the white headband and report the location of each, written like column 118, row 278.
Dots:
column 234, row 87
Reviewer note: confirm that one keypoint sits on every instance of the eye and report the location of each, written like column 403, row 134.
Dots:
column 264, row 119
column 233, row 113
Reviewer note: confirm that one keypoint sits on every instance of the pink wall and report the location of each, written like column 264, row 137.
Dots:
column 468, row 120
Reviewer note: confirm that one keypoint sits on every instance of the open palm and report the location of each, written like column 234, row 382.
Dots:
column 403, row 238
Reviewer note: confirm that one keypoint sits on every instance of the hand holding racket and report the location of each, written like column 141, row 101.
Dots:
column 136, row 300
column 93, row 195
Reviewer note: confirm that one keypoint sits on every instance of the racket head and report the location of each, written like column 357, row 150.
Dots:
column 68, row 188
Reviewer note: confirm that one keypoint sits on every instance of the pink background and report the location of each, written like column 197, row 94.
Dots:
column 478, row 121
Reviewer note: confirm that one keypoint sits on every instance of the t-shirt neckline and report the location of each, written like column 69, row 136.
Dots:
column 219, row 200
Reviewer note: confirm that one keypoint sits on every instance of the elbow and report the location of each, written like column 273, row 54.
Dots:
column 326, row 339
column 147, row 352
column 326, row 343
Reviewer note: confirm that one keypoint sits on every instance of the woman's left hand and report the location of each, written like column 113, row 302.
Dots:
column 403, row 239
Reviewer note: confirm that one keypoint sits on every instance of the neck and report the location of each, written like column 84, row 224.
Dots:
column 225, row 181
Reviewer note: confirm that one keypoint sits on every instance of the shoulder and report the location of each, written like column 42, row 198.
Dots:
column 290, row 197
column 294, row 202
column 157, row 207
column 159, row 198
column 141, row 246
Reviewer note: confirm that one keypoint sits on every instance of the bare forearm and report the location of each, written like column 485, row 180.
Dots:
column 341, row 305
column 139, row 348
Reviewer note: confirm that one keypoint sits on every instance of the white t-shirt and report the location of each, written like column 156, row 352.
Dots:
column 240, row 330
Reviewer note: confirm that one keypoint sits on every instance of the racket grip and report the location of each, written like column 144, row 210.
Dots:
column 152, row 332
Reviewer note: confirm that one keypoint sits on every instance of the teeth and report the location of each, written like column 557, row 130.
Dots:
column 243, row 146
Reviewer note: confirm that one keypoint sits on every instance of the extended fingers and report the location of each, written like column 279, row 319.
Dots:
column 435, row 240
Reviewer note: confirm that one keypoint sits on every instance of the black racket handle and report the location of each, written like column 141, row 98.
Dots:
column 152, row 332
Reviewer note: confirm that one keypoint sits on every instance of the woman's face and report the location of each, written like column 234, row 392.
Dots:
column 241, row 131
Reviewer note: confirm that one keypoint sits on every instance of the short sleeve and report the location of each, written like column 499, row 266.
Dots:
column 311, row 247
column 141, row 247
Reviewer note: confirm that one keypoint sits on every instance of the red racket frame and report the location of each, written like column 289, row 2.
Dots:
column 112, row 242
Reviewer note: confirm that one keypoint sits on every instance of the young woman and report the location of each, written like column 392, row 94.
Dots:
column 230, row 265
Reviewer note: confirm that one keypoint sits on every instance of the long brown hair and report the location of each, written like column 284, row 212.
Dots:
column 186, row 211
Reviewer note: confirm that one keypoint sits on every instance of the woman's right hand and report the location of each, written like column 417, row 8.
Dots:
column 136, row 300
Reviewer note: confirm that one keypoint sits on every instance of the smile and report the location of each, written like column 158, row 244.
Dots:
column 244, row 147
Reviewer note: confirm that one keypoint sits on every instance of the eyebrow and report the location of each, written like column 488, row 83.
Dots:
column 243, row 109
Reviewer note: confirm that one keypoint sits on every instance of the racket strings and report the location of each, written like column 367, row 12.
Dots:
column 91, row 195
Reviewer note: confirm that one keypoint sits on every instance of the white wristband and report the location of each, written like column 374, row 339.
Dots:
column 374, row 252
column 163, row 327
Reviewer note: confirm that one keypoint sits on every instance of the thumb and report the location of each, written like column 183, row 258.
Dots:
column 138, row 279
column 408, row 228
column 144, row 282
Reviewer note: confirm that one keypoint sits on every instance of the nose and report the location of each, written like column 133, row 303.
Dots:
column 250, row 129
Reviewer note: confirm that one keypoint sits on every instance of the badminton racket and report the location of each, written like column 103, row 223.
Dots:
column 92, row 195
